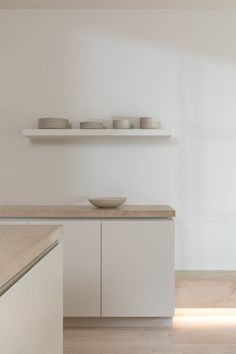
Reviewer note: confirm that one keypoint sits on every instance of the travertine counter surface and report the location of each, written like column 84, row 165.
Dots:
column 20, row 245
column 86, row 212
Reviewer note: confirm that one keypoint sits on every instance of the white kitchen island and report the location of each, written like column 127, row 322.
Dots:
column 31, row 315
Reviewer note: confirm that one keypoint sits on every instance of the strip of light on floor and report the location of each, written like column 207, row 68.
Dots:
column 204, row 316
column 205, row 311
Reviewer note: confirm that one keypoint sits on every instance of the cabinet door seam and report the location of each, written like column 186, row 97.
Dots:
column 100, row 268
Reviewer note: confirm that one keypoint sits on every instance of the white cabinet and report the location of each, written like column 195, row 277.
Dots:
column 117, row 268
column 82, row 263
column 138, row 268
column 31, row 310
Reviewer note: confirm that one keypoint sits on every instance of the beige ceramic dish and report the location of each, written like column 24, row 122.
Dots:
column 53, row 120
column 54, row 126
column 91, row 125
column 53, row 123
column 149, row 123
column 149, row 126
column 107, row 202
column 121, row 124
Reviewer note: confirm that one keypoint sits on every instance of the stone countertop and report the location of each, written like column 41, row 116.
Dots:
column 20, row 245
column 85, row 211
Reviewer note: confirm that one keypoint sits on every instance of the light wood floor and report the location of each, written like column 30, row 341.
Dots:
column 189, row 335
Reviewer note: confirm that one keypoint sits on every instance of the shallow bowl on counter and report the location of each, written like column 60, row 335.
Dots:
column 110, row 202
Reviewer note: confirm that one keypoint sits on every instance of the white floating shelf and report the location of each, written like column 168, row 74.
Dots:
column 73, row 133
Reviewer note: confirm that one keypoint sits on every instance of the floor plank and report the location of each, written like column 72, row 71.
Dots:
column 189, row 335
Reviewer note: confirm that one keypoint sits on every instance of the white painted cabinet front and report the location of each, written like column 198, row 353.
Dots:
column 138, row 268
column 31, row 312
column 82, row 265
column 117, row 268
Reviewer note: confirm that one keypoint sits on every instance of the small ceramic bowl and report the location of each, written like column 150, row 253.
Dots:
column 107, row 202
column 121, row 124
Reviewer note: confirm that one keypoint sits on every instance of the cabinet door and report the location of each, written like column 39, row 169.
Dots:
column 82, row 265
column 138, row 268
column 31, row 318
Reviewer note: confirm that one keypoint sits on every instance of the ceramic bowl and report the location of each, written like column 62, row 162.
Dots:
column 149, row 123
column 91, row 125
column 53, row 123
column 112, row 202
column 121, row 124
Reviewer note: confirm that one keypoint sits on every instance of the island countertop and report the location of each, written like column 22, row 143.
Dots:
column 20, row 245
column 85, row 211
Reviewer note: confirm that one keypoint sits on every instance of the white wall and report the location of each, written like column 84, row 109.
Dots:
column 177, row 65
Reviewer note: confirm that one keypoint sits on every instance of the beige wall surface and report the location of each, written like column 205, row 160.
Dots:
column 179, row 66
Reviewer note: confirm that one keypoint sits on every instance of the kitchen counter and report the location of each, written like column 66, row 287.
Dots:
column 86, row 212
column 20, row 245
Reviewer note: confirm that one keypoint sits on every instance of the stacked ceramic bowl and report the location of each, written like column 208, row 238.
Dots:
column 149, row 123
column 53, row 123
column 121, row 124
column 91, row 125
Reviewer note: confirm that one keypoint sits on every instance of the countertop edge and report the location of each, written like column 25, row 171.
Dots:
column 85, row 212
column 22, row 260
